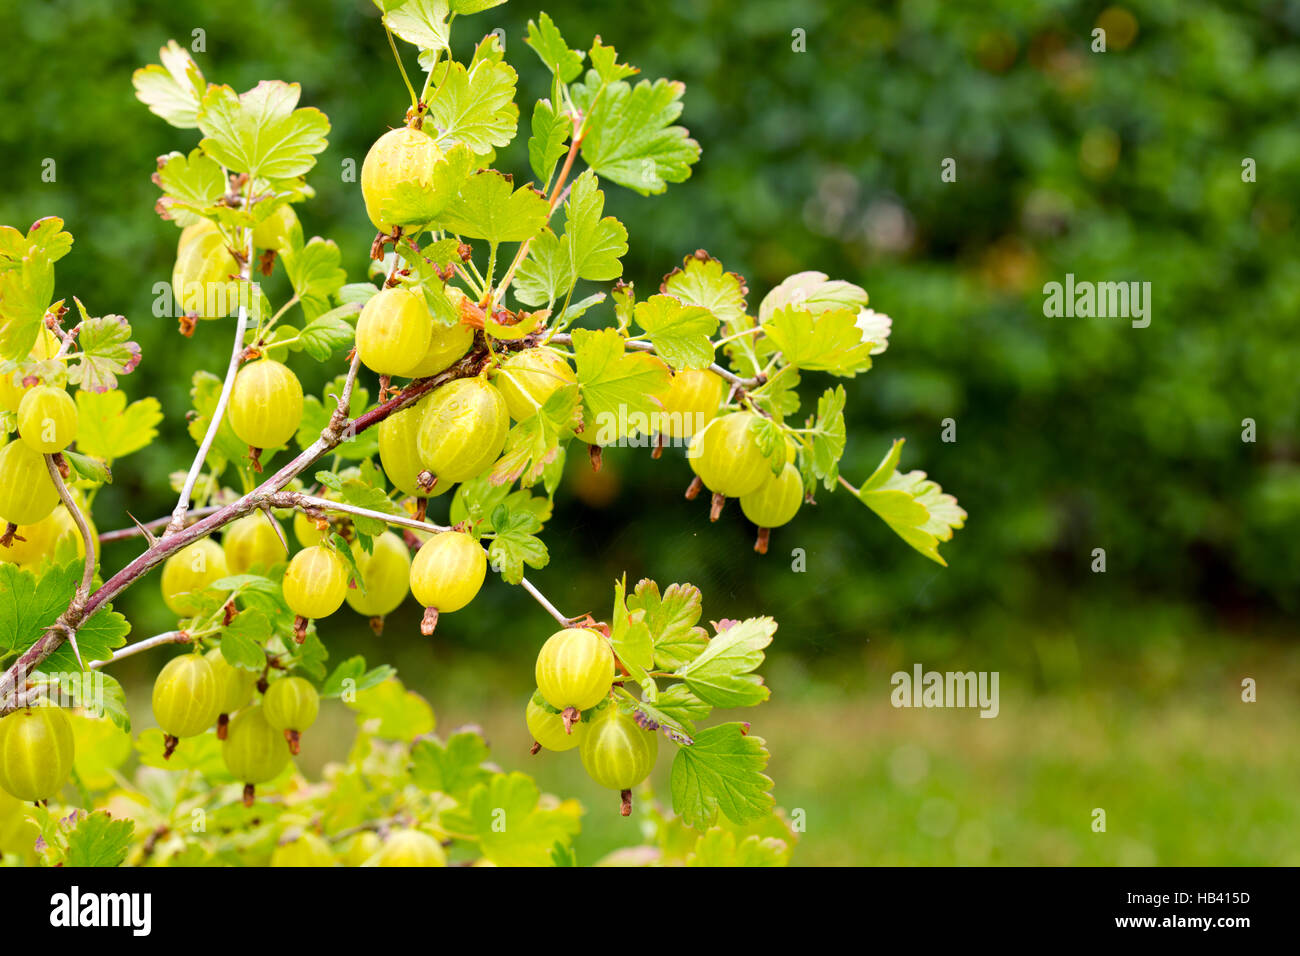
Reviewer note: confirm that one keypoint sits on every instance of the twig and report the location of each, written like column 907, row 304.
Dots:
column 122, row 534
column 538, row 596
column 219, row 413
column 296, row 499
column 87, row 536
column 169, row 637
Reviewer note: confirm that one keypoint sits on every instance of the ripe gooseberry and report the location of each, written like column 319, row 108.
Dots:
column 186, row 698
column 775, row 503
column 305, row 850
column 617, row 753
column 290, row 705
column 691, row 402
column 575, row 669
column 394, row 331
column 548, row 728
column 315, row 584
column 726, row 457
column 386, row 572
column 446, row 574
column 528, row 378
column 12, row 388
column 463, row 429
column 404, row 847
column 27, row 493
column 399, row 452
column 253, row 750
column 397, row 179
column 265, row 404
column 204, row 265
column 47, row 419
column 190, row 571
column 36, row 752
column 253, row 541
column 234, row 687
column 446, row 344
column 274, row 231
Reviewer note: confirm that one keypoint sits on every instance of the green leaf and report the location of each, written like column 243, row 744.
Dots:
column 829, row 341
column 351, row 677
column 680, row 333
column 516, row 543
column 604, row 60
column 29, row 604
column 189, row 183
column 477, row 500
column 90, row 469
column 105, row 352
column 510, row 826
column 463, row 7
column 546, row 145
column 722, row 674
column 329, row 333
column 813, row 292
column 545, row 38
column 681, row 704
column 421, row 22
column 487, row 208
column 315, row 275
column 172, row 90
column 612, row 382
column 722, row 770
column 673, row 619
column 630, row 635
column 701, row 280
column 829, row 435
column 401, row 714
column 453, row 768
column 916, row 508
column 595, row 244
column 535, row 442
column 475, row 106
column 99, row 840
column 260, row 132
column 546, row 274
column 629, row 139
column 242, row 639
column 718, row 848
column 26, row 288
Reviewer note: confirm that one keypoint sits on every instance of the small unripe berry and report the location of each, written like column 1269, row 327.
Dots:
column 189, row 571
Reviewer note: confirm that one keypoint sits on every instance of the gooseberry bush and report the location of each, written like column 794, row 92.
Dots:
column 493, row 329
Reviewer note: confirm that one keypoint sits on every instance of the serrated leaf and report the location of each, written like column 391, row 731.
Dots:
column 915, row 508
column 722, row 674
column 515, row 543
column 328, row 333
column 104, row 352
column 511, row 828
column 401, row 714
column 829, row 435
column 489, row 208
column 173, row 89
column 630, row 636
column 260, row 132
column 453, row 768
column 99, row 840
column 596, row 244
column 673, row 619
column 722, row 770
column 421, row 22
column 475, row 106
column 546, row 145
column 351, row 677
column 829, row 341
column 615, row 386
column 719, row 848
column 630, row 139
column 189, row 183
column 680, row 333
column 315, row 274
column 549, row 44
column 813, row 292
column 701, row 280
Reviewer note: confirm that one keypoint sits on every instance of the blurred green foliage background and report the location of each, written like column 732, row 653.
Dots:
column 1072, row 434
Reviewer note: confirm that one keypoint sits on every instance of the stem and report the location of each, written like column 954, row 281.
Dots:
column 563, row 338
column 415, row 102
column 169, row 637
column 296, row 499
column 87, row 536
column 122, row 534
column 541, row 599
column 219, row 413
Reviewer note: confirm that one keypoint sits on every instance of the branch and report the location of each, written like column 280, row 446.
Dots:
column 169, row 637
column 551, row 609
column 122, row 534
column 87, row 536
column 219, row 413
